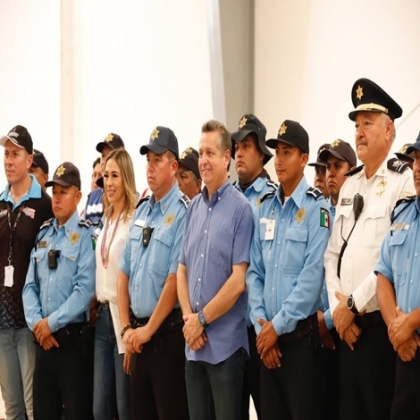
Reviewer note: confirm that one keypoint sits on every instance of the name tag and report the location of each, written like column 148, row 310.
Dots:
column 140, row 223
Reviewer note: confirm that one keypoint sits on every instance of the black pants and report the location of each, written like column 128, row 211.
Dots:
column 294, row 391
column 63, row 377
column 251, row 386
column 158, row 378
column 368, row 372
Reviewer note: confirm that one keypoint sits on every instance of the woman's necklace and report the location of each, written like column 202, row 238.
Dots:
column 104, row 249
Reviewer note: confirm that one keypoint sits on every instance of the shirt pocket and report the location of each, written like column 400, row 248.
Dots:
column 68, row 266
column 292, row 255
column 375, row 226
column 400, row 261
column 162, row 242
column 40, row 262
column 135, row 236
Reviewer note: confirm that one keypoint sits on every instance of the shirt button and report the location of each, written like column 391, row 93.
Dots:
column 199, row 280
column 411, row 281
column 415, row 254
column 202, row 255
column 219, row 199
column 209, row 208
column 49, row 299
column 275, row 265
column 205, row 231
column 278, row 243
column 274, row 289
column 282, row 220
column 197, row 303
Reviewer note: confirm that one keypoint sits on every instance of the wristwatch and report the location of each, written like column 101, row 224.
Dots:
column 351, row 306
column 202, row 319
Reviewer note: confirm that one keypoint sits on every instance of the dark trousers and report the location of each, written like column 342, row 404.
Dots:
column 251, row 386
column 63, row 377
column 368, row 372
column 406, row 404
column 294, row 391
column 158, row 378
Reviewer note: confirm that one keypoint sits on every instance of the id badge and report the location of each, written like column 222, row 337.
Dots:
column 8, row 275
column 269, row 229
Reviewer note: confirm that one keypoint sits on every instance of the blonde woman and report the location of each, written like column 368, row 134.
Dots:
column 111, row 380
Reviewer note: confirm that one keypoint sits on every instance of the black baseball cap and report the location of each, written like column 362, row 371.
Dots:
column 114, row 141
column 341, row 150
column 368, row 96
column 415, row 147
column 19, row 136
column 66, row 175
column 319, row 161
column 39, row 161
column 189, row 160
column 250, row 124
column 293, row 134
column 403, row 155
column 161, row 140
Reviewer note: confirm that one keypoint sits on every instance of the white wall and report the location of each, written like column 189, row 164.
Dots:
column 308, row 54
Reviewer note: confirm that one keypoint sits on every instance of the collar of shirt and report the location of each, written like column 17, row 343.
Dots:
column 297, row 195
column 34, row 192
column 163, row 203
column 217, row 195
column 257, row 185
column 381, row 171
column 69, row 227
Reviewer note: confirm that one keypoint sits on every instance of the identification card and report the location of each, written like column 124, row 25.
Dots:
column 8, row 275
column 269, row 229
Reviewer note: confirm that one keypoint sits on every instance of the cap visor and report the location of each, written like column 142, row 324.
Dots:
column 404, row 157
column 272, row 143
column 324, row 165
column 153, row 147
column 413, row 148
column 4, row 139
column 62, row 183
column 241, row 134
column 100, row 146
column 352, row 114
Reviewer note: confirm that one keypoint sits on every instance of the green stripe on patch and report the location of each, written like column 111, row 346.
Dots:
column 325, row 218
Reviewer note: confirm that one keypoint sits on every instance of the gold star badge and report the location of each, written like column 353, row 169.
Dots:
column 74, row 238
column 283, row 129
column 359, row 92
column 109, row 138
column 183, row 155
column 258, row 202
column 380, row 188
column 300, row 215
column 155, row 134
column 335, row 143
column 404, row 148
column 242, row 122
column 169, row 219
column 60, row 171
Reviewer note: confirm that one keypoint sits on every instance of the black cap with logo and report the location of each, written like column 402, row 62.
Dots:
column 293, row 134
column 114, row 141
column 341, row 150
column 189, row 160
column 403, row 155
column 250, row 124
column 66, row 175
column 40, row 161
column 19, row 136
column 319, row 161
column 161, row 140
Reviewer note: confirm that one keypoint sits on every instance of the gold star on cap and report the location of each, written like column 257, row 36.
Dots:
column 359, row 92
column 404, row 148
column 155, row 134
column 184, row 153
column 109, row 138
column 242, row 122
column 283, row 129
column 335, row 143
column 60, row 171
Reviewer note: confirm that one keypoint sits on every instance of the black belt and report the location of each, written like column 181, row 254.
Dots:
column 174, row 318
column 303, row 328
column 104, row 304
column 369, row 320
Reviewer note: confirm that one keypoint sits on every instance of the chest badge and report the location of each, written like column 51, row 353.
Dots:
column 300, row 215
column 380, row 188
column 169, row 219
column 74, row 238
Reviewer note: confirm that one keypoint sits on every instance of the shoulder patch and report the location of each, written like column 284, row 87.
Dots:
column 397, row 165
column 399, row 208
column 272, row 184
column 185, row 200
column 355, row 170
column 314, row 192
column 269, row 194
column 46, row 223
column 143, row 200
column 85, row 223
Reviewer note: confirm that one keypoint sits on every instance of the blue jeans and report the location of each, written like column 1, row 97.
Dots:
column 17, row 364
column 215, row 391
column 111, row 383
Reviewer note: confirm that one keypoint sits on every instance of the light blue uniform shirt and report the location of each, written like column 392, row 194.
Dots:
column 399, row 261
column 62, row 294
column 217, row 236
column 253, row 194
column 286, row 273
column 148, row 266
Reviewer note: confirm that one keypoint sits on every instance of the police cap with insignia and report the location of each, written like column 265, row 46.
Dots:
column 20, row 137
column 161, row 140
column 250, row 124
column 293, row 134
column 341, row 150
column 66, row 175
column 189, row 160
column 403, row 155
column 415, row 147
column 114, row 141
column 319, row 161
column 40, row 161
column 368, row 96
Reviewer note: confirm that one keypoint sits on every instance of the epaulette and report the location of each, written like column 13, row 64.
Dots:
column 234, row 183
column 315, row 192
column 397, row 165
column 85, row 223
column 408, row 200
column 354, row 171
column 268, row 194
column 272, row 184
column 46, row 223
column 185, row 200
column 142, row 200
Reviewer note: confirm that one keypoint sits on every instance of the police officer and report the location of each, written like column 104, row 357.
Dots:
column 367, row 361
column 150, row 317
column 284, row 283
column 320, row 179
column 59, row 287
column 251, row 154
column 40, row 168
column 399, row 298
column 188, row 175
column 404, row 156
